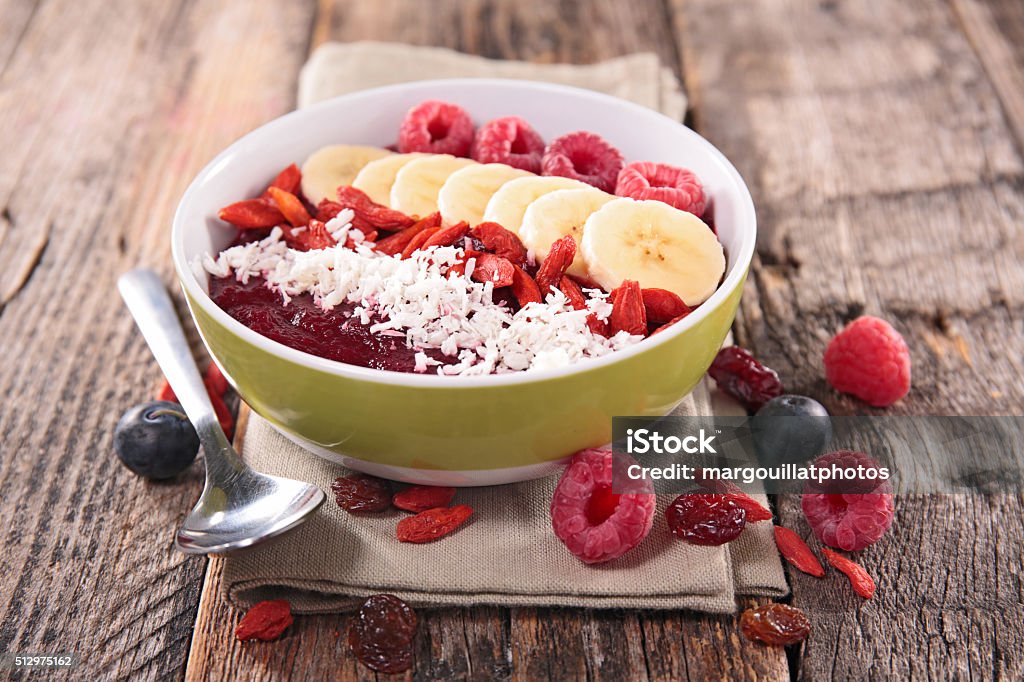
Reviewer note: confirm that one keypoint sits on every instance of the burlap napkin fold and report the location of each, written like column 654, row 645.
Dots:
column 507, row 554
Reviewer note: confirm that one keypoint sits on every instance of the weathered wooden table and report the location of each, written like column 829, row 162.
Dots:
column 882, row 141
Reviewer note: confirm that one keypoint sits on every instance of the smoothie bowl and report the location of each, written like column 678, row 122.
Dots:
column 458, row 321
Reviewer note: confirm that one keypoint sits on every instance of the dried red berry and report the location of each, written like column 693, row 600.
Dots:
column 740, row 375
column 669, row 323
column 397, row 242
column 417, row 242
column 436, row 128
column 494, row 269
column 501, row 242
column 433, row 524
column 370, row 214
column 583, row 156
column 290, row 207
column 755, row 510
column 362, row 493
column 705, row 518
column 290, row 179
column 509, row 140
column 382, row 632
column 524, row 288
column 215, row 378
column 447, row 236
column 796, row 552
column 420, row 498
column 251, row 213
column 663, row 306
column 628, row 313
column 312, row 237
column 776, row 624
column 859, row 578
column 265, row 621
column 559, row 258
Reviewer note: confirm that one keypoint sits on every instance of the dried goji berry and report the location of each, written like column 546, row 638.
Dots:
column 310, row 238
column 362, row 493
column 328, row 210
column 628, row 314
column 418, row 241
column 796, row 552
column 501, row 242
column 382, row 632
column 265, row 621
column 378, row 216
column 290, row 179
column 859, row 578
column 397, row 242
column 669, row 323
column 524, row 288
column 423, row 497
column 447, row 236
column 215, row 389
column 251, row 213
column 776, row 624
column 290, row 206
column 165, row 392
column 494, row 269
column 663, row 306
column 559, row 258
column 433, row 524
column 215, row 379
column 573, row 293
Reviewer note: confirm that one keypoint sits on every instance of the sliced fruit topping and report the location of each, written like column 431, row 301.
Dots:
column 657, row 245
column 869, row 359
column 737, row 372
column 433, row 524
column 509, row 140
column 583, row 156
column 596, row 524
column 851, row 513
column 796, row 552
column 464, row 195
column 418, row 183
column 508, row 205
column 776, row 624
column 675, row 186
column 860, row 579
column 436, row 127
column 329, row 168
column 557, row 214
column 156, row 439
column 705, row 518
column 377, row 177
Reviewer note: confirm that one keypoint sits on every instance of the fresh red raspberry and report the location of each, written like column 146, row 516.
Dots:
column 659, row 181
column 585, row 157
column 509, row 140
column 844, row 513
column 596, row 524
column 437, row 128
column 870, row 360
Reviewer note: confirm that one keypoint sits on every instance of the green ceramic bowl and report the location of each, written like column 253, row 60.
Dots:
column 458, row 430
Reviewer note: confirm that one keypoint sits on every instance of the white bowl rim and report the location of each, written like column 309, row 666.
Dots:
column 747, row 222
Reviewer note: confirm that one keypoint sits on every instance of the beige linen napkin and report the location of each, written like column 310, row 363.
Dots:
column 507, row 554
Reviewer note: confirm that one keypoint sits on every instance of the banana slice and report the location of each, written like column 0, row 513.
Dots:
column 509, row 203
column 418, row 182
column 654, row 244
column 557, row 214
column 466, row 192
column 377, row 177
column 328, row 168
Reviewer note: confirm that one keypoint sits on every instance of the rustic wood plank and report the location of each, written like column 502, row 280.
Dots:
column 888, row 181
column 106, row 112
column 492, row 643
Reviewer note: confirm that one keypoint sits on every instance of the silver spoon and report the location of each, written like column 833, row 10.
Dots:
column 239, row 507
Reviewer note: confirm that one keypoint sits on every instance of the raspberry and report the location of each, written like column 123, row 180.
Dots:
column 848, row 514
column 659, row 181
column 437, row 128
column 740, row 375
column 596, row 524
column 509, row 140
column 583, row 156
column 870, row 360
column 705, row 518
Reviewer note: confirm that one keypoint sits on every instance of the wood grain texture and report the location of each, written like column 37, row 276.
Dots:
column 887, row 176
column 106, row 112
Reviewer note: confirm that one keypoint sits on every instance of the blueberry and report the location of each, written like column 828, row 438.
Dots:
column 791, row 428
column 156, row 439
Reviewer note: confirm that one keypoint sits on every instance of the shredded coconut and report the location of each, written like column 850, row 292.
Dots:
column 415, row 298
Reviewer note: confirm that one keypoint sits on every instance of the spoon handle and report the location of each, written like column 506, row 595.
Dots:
column 147, row 300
